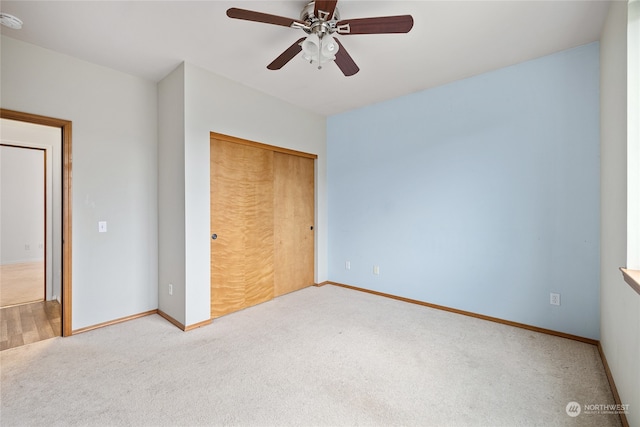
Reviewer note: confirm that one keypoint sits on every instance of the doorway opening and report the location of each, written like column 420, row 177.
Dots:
column 25, row 274
column 56, row 241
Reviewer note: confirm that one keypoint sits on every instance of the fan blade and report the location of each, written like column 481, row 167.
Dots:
column 286, row 56
column 381, row 25
column 324, row 9
column 344, row 61
column 250, row 15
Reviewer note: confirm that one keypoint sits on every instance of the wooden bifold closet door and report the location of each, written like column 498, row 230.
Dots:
column 262, row 217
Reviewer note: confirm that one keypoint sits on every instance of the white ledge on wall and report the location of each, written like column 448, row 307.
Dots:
column 632, row 277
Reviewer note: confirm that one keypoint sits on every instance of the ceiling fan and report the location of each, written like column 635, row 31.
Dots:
column 320, row 20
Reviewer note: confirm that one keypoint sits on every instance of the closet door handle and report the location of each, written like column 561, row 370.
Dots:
column 214, row 236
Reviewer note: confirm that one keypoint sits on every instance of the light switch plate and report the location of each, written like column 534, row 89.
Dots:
column 102, row 226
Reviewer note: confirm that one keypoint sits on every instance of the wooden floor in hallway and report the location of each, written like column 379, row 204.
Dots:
column 22, row 283
column 29, row 323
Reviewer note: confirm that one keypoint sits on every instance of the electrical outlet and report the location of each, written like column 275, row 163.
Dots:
column 347, row 265
column 554, row 299
column 376, row 269
column 170, row 289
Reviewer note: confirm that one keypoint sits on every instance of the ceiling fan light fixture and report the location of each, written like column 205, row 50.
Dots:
column 329, row 47
column 310, row 47
column 319, row 50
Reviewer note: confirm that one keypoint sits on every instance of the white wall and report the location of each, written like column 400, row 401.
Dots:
column 22, row 205
column 115, row 171
column 213, row 103
column 171, row 214
column 619, row 304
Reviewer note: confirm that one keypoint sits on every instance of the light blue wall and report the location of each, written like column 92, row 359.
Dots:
column 481, row 195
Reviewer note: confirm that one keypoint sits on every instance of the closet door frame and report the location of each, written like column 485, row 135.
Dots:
column 274, row 149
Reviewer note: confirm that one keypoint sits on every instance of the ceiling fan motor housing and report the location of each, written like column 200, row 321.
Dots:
column 320, row 25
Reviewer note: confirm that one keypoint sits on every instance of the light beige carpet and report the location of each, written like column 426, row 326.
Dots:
column 321, row 356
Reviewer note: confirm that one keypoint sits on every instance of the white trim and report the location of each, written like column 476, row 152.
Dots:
column 633, row 136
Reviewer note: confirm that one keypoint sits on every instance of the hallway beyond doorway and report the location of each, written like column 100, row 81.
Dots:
column 21, row 283
column 29, row 323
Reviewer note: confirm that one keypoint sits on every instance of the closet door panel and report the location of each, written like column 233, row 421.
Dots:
column 241, row 217
column 227, row 260
column 258, row 217
column 293, row 222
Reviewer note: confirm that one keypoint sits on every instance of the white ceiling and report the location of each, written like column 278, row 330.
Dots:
column 450, row 40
